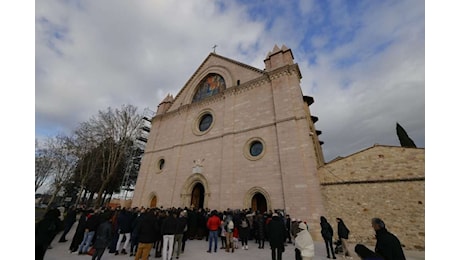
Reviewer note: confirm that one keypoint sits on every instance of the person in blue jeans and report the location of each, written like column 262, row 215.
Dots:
column 92, row 222
column 213, row 225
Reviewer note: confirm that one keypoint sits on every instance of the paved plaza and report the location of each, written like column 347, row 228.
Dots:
column 196, row 250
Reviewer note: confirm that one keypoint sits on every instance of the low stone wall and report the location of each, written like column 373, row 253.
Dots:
column 401, row 205
column 387, row 182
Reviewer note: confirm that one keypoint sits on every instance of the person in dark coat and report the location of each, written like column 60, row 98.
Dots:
column 260, row 230
column 79, row 232
column 115, row 235
column 103, row 236
column 137, row 216
column 186, row 233
column 146, row 230
column 45, row 231
column 343, row 232
column 327, row 233
column 244, row 231
column 178, row 236
column 193, row 224
column 366, row 254
column 69, row 219
column 276, row 232
column 92, row 222
column 388, row 245
column 201, row 224
column 288, row 228
column 161, row 216
column 124, row 229
column 168, row 230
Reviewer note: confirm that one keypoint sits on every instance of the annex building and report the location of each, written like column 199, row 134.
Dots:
column 239, row 137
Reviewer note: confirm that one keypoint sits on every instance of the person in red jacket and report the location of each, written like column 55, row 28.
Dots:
column 213, row 226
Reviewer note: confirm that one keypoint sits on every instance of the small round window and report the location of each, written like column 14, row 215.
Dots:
column 256, row 148
column 161, row 164
column 205, row 122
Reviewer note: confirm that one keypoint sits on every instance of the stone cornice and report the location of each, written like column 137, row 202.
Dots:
column 285, row 71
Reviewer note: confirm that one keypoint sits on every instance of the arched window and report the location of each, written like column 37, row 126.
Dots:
column 209, row 86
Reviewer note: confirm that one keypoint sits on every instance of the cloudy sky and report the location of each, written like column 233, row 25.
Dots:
column 362, row 61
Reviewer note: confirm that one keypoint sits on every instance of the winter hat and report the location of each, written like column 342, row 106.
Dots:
column 275, row 215
column 302, row 226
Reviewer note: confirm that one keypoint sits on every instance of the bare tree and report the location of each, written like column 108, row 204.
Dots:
column 84, row 146
column 63, row 163
column 43, row 165
column 114, row 130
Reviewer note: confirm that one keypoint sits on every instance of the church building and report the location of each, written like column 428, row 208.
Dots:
column 236, row 137
column 240, row 137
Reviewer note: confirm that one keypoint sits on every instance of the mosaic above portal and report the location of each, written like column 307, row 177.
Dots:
column 209, row 86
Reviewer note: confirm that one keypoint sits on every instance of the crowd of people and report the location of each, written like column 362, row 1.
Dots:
column 136, row 231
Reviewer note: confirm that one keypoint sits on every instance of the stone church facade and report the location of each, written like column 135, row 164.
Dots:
column 238, row 137
column 235, row 137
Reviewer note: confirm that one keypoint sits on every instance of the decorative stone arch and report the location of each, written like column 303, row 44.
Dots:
column 187, row 189
column 222, row 71
column 253, row 191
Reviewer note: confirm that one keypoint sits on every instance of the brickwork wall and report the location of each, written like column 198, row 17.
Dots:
column 399, row 200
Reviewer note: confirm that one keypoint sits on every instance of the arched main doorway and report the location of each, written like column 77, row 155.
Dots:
column 197, row 200
column 259, row 202
column 153, row 202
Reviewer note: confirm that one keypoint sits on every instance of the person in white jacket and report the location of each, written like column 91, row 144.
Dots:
column 304, row 243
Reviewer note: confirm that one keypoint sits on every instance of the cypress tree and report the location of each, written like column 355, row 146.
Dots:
column 404, row 138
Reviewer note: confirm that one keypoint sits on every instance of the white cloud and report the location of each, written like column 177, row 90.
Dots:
column 108, row 53
column 113, row 53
